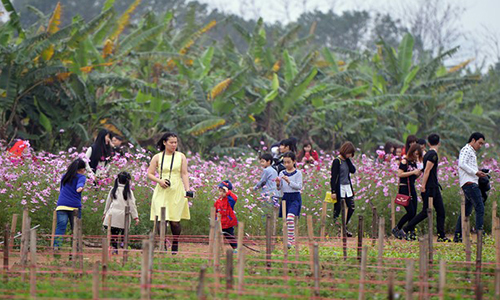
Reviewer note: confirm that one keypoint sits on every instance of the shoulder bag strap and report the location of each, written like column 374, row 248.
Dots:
column 161, row 168
column 171, row 165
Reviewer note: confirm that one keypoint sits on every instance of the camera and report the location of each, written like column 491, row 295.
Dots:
column 167, row 182
column 190, row 194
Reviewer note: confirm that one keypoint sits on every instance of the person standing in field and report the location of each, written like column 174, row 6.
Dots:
column 430, row 188
column 172, row 186
column 69, row 203
column 289, row 182
column 469, row 174
column 408, row 173
column 118, row 199
column 340, row 182
column 308, row 155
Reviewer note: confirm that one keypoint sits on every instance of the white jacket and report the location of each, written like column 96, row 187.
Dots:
column 116, row 208
column 467, row 165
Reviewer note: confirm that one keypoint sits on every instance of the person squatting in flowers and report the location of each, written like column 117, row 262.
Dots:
column 224, row 206
column 289, row 182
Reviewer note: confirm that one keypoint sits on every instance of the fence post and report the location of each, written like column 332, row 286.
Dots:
column 25, row 240
column 430, row 220
column 200, row 291
column 241, row 232
column 316, row 270
column 105, row 253
column 80, row 244
column 381, row 230
column 442, row 278
column 323, row 221
column 145, row 269
column 462, row 215
column 393, row 212
column 241, row 269
column 13, row 227
column 108, row 231
column 374, row 225
column 53, row 234
column 33, row 262
column 126, row 224
column 268, row 242
column 162, row 228
column 360, row 236
column 466, row 239
column 229, row 269
column 344, row 228
column 6, row 246
column 479, row 258
column 95, row 280
column 285, row 238
column 211, row 234
column 362, row 275
column 494, row 207
column 423, row 265
column 391, row 286
column 297, row 237
column 310, row 234
column 497, row 283
column 23, row 226
column 410, row 269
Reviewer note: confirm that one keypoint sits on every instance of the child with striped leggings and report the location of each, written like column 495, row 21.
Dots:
column 289, row 182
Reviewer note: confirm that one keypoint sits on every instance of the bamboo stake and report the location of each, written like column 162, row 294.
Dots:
column 316, row 271
column 466, row 239
column 145, row 269
column 25, row 241
column 211, row 233
column 13, row 230
column 423, row 266
column 126, row 224
column 268, row 242
column 74, row 241
column 479, row 258
column 360, row 236
column 410, row 269
column 310, row 234
column 297, row 239
column 430, row 220
column 33, row 263
column 497, row 283
column 162, row 229
column 241, row 230
column 393, row 212
column 95, row 281
column 229, row 269
column 344, row 228
column 23, row 227
column 323, row 221
column 108, row 233
column 462, row 216
column 374, row 225
column 241, row 269
column 381, row 227
column 200, row 291
column 442, row 279
column 54, row 223
column 497, row 242
column 391, row 286
column 285, row 238
column 80, row 244
column 105, row 254
column 6, row 247
column 494, row 208
column 362, row 275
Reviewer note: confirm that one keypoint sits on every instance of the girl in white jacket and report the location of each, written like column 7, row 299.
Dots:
column 119, row 197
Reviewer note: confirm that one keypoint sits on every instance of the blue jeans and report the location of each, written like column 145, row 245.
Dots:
column 474, row 199
column 63, row 216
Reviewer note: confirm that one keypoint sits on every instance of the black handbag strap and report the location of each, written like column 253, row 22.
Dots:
column 171, row 165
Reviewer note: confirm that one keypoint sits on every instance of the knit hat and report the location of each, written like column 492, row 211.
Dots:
column 225, row 183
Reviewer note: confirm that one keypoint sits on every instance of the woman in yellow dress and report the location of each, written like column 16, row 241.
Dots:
column 172, row 185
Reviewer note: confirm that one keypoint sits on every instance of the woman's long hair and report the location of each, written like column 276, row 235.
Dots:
column 100, row 149
column 410, row 139
column 164, row 138
column 414, row 153
column 122, row 178
column 302, row 152
column 73, row 168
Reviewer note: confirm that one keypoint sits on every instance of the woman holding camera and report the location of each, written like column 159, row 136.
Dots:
column 172, row 186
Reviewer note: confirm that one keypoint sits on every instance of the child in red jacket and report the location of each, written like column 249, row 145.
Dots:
column 225, row 207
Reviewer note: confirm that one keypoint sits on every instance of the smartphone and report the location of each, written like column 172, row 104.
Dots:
column 190, row 194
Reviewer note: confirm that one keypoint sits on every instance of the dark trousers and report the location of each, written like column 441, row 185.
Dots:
column 411, row 209
column 473, row 198
column 117, row 234
column 176, row 229
column 229, row 235
column 435, row 193
column 63, row 217
column 349, row 202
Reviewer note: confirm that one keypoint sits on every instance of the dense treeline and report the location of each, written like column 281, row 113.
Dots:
column 224, row 83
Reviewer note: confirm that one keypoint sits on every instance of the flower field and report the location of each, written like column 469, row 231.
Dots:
column 34, row 182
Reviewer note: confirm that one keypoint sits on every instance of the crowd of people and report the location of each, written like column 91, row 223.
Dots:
column 281, row 182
